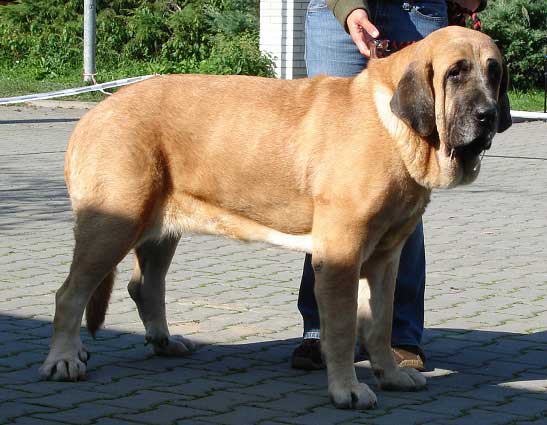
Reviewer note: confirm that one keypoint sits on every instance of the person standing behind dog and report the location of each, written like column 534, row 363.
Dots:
column 339, row 34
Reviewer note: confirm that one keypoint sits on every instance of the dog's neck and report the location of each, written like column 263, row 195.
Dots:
column 422, row 156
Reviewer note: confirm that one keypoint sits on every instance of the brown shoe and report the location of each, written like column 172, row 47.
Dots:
column 307, row 356
column 409, row 356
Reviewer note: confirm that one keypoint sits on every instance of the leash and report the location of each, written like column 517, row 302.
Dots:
column 457, row 15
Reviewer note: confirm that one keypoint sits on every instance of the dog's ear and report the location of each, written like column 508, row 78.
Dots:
column 504, row 109
column 413, row 101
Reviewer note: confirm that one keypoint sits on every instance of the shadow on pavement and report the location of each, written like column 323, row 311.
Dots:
column 481, row 367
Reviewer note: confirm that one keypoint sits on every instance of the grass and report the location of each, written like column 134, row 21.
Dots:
column 16, row 84
column 531, row 101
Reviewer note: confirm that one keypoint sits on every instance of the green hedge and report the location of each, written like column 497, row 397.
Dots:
column 520, row 29
column 44, row 37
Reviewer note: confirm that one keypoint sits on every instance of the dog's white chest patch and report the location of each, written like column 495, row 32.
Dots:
column 396, row 128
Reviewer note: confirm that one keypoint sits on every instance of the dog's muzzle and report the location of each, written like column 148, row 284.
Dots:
column 480, row 129
column 474, row 148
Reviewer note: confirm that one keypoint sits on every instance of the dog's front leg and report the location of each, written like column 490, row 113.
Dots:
column 336, row 262
column 375, row 318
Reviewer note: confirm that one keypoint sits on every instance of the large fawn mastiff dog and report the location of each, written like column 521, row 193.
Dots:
column 338, row 167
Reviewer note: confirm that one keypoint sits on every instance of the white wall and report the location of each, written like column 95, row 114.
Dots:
column 282, row 35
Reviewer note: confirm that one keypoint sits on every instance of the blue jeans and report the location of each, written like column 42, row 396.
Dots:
column 330, row 50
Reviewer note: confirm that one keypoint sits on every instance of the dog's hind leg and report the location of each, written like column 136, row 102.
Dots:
column 147, row 289
column 102, row 241
column 375, row 318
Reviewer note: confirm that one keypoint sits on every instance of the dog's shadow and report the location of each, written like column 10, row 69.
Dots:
column 468, row 368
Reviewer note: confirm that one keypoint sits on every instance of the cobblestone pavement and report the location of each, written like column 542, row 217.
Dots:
column 486, row 310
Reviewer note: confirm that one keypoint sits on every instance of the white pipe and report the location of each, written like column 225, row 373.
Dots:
column 89, row 40
column 529, row 115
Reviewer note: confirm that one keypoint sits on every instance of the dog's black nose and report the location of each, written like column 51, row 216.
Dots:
column 487, row 114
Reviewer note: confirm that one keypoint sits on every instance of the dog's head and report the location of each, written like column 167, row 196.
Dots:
column 454, row 94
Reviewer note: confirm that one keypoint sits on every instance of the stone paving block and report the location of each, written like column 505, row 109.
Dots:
column 162, row 367
column 507, row 345
column 474, row 417
column 476, row 357
column 536, row 358
column 29, row 420
column 110, row 373
column 295, row 403
column 389, row 401
column 125, row 357
column 268, row 422
column 178, row 375
column 163, row 414
column 21, row 360
column 448, row 345
column 450, row 405
column 496, row 393
column 524, row 406
column 272, row 354
column 532, row 422
column 19, row 376
column 84, row 413
column 201, row 387
column 37, row 388
column 327, row 415
column 272, row 389
column 402, row 416
column 68, row 398
column 144, row 400
column 283, row 367
column 255, row 376
column 7, row 394
column 11, row 410
column 242, row 415
column 112, row 421
column 237, row 362
column 223, row 401
column 504, row 368
column 123, row 386
column 191, row 421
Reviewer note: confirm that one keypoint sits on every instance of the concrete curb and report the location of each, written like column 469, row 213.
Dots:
column 62, row 104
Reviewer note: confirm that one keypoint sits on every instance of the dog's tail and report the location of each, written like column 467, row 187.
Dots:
column 95, row 310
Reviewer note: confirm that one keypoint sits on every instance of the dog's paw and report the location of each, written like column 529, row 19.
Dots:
column 402, row 379
column 65, row 367
column 173, row 346
column 359, row 396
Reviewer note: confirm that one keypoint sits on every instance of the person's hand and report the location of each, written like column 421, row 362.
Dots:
column 362, row 31
column 471, row 5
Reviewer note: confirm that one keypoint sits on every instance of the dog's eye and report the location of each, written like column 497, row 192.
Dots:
column 494, row 70
column 456, row 72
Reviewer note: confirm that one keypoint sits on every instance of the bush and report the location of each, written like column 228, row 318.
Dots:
column 520, row 29
column 45, row 37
